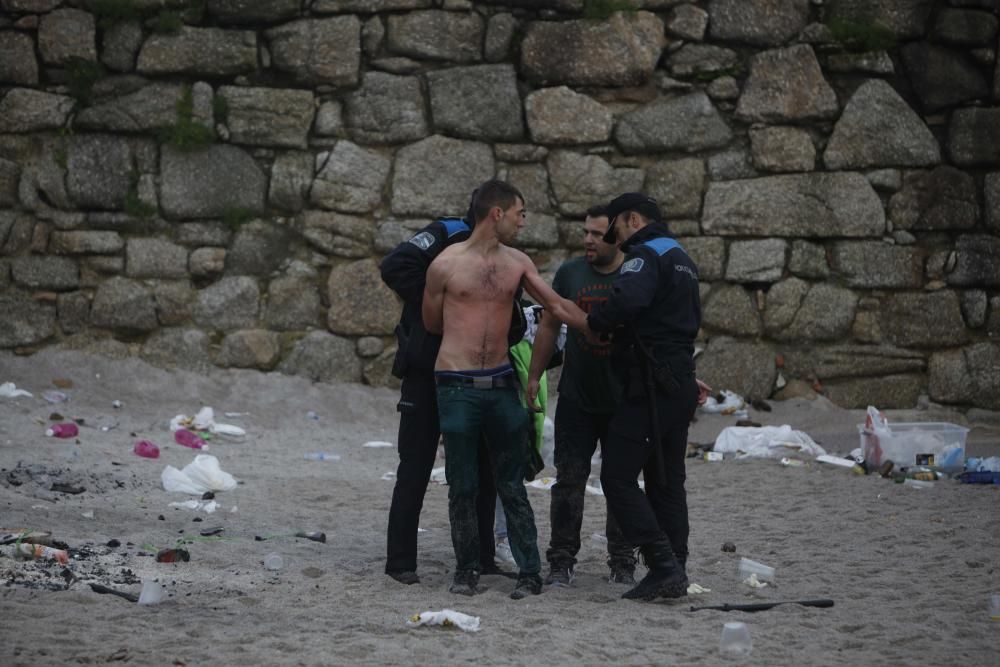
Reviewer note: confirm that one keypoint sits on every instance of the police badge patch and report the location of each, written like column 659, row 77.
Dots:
column 423, row 240
column 632, row 266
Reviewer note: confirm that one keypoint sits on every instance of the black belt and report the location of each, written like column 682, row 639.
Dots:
column 505, row 381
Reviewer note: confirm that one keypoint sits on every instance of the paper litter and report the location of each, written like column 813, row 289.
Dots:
column 205, row 421
column 447, row 618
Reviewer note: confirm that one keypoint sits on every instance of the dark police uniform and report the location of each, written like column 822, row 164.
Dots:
column 655, row 298
column 404, row 271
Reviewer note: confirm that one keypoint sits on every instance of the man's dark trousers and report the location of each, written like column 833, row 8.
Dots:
column 418, row 442
column 661, row 511
column 577, row 434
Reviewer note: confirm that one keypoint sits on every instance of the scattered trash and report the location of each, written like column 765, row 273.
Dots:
column 855, row 467
column 697, row 589
column 62, row 383
column 989, row 464
column 10, row 390
column 172, row 556
column 976, row 477
column 764, row 606
column 542, row 483
column 65, row 487
column 766, row 442
column 388, row 476
column 792, row 463
column 752, row 569
column 995, row 606
column 205, row 421
column 729, row 547
column 53, row 396
column 104, row 590
column 312, row 415
column 207, row 506
column 27, row 551
column 315, row 536
column 320, row 456
column 116, row 404
column 725, row 402
column 65, row 430
column 201, row 475
column 754, row 582
column 735, row 641
column 273, row 561
column 594, row 487
column 152, row 593
column 918, row 483
column 447, row 618
column 938, row 444
column 209, row 532
column 184, row 437
column 236, row 414
column 378, row 443
column 146, row 449
column 9, row 536
column 438, row 476
column 89, row 514
column 714, row 456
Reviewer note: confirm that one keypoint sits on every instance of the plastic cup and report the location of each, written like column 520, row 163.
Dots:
column 273, row 561
column 748, row 567
column 995, row 606
column 152, row 593
column 735, row 641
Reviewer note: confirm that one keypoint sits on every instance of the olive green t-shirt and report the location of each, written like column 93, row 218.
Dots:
column 588, row 379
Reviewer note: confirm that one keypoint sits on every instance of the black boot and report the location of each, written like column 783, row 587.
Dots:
column 666, row 577
column 466, row 582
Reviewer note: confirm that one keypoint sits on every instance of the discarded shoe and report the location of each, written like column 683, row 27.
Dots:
column 405, row 577
column 527, row 584
column 559, row 576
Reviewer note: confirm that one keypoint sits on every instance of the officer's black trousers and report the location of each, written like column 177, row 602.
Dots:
column 660, row 511
column 418, row 442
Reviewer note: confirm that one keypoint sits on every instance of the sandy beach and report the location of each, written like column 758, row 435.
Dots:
column 909, row 569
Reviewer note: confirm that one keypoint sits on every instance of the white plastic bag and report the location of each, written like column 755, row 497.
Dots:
column 731, row 403
column 205, row 421
column 10, row 390
column 765, row 442
column 201, row 475
column 447, row 618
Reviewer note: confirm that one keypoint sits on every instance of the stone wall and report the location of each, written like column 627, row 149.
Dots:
column 214, row 182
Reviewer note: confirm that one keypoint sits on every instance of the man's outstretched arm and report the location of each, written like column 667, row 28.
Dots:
column 564, row 310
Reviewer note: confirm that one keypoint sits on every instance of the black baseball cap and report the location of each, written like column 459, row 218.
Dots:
column 630, row 201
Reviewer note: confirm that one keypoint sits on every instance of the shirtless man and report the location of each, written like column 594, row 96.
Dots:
column 467, row 299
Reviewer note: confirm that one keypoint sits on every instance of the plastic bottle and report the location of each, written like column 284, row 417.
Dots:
column 146, row 449
column 42, row 551
column 918, row 483
column 182, row 436
column 67, row 430
column 320, row 456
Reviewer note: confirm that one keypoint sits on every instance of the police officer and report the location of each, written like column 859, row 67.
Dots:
column 654, row 313
column 403, row 270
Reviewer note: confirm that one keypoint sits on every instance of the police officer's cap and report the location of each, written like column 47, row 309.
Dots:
column 631, row 201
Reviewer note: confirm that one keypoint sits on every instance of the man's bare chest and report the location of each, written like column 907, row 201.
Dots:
column 487, row 281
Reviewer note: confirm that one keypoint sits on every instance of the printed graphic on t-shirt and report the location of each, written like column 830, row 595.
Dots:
column 586, row 298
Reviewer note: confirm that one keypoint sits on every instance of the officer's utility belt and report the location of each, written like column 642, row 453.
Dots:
column 503, row 380
column 665, row 374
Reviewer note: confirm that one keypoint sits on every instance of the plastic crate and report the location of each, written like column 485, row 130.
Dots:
column 935, row 444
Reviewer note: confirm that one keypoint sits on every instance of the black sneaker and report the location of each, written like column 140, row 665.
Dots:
column 660, row 583
column 527, row 584
column 620, row 574
column 559, row 576
column 466, row 582
column 405, row 577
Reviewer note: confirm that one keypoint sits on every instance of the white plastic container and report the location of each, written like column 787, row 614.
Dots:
column 735, row 641
column 748, row 567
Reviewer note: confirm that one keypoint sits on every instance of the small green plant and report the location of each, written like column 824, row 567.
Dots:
column 220, row 108
column 167, row 22
column 134, row 206
column 602, row 9
column 861, row 36
column 81, row 75
column 186, row 134
column 110, row 12
column 235, row 216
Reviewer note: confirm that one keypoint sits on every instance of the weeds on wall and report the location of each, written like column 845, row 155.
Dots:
column 234, row 217
column 602, row 9
column 186, row 134
column 134, row 206
column 162, row 22
column 81, row 75
column 861, row 36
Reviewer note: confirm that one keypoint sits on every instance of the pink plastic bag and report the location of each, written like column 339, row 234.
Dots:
column 146, row 449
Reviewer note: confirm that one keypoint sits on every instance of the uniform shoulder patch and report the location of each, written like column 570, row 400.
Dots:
column 423, row 240
column 632, row 266
column 454, row 226
column 662, row 245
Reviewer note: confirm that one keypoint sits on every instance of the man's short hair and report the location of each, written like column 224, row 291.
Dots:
column 494, row 193
column 598, row 211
